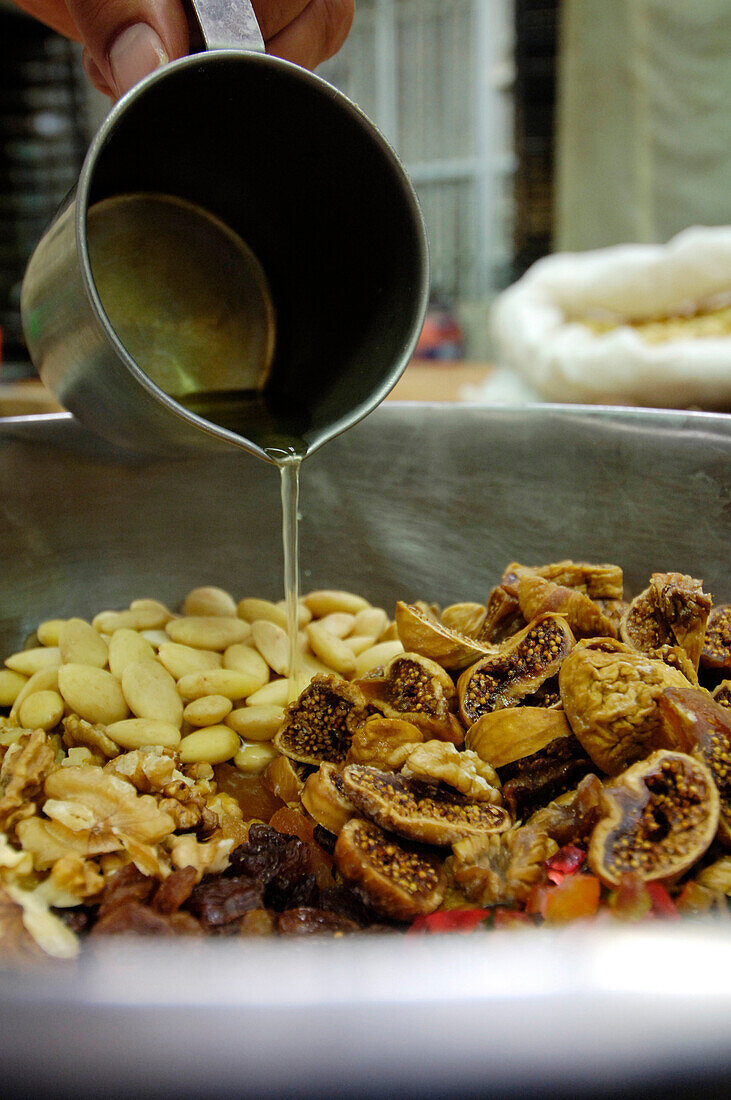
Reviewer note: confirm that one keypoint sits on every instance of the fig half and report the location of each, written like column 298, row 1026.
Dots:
column 423, row 633
column 516, row 668
column 319, row 725
column 672, row 611
column 418, row 810
column 716, row 651
column 395, row 881
column 418, row 690
column 660, row 816
column 693, row 720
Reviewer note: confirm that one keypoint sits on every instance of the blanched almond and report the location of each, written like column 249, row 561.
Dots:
column 253, row 610
column 11, row 684
column 244, row 658
column 209, row 600
column 212, row 745
column 126, row 646
column 218, row 681
column 209, row 710
column 133, row 733
column 46, row 679
column 254, row 759
column 325, row 601
column 215, row 632
column 93, row 693
column 359, row 643
column 145, row 617
column 150, row 692
column 41, row 710
column 182, row 660
column 377, row 655
column 338, row 623
column 275, row 693
column 331, row 650
column 48, row 631
column 80, row 644
column 28, row 661
column 256, row 723
column 273, row 644
column 371, row 620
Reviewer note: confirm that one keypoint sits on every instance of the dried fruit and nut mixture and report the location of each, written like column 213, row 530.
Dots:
column 555, row 752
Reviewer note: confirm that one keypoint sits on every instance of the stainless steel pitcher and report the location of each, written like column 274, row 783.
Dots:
column 280, row 160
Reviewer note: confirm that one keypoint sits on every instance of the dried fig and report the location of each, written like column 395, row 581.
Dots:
column 660, row 816
column 418, row 810
column 319, row 725
column 534, row 780
column 467, row 618
column 571, row 818
column 418, row 690
column 423, row 633
column 692, row 719
column 394, row 881
column 325, row 799
column 517, row 668
column 538, row 596
column 597, row 581
column 503, row 736
column 722, row 694
column 502, row 617
column 716, row 652
column 673, row 610
column 610, row 694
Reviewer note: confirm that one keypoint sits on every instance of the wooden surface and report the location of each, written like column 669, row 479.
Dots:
column 438, row 381
column 421, row 381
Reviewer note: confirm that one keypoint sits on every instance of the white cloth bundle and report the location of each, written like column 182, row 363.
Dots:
column 537, row 332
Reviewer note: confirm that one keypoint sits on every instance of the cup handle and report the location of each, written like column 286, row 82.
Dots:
column 227, row 24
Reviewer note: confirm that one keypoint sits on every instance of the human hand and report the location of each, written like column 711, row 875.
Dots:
column 125, row 40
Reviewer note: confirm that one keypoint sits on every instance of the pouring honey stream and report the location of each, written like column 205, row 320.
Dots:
column 191, row 305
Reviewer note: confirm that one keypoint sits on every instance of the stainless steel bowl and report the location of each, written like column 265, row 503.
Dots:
column 416, row 501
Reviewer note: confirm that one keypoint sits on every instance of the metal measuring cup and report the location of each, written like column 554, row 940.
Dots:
column 294, row 169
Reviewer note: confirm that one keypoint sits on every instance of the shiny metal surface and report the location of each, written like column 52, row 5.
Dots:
column 228, row 24
column 417, row 501
column 301, row 175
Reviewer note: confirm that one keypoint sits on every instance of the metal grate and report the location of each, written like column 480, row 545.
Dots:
column 435, row 76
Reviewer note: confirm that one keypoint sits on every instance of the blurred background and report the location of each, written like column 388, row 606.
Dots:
column 527, row 126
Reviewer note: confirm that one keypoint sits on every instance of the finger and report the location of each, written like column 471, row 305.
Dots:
column 316, row 34
column 127, row 39
column 274, row 15
column 94, row 74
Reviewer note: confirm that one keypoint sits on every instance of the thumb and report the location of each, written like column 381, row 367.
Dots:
column 127, row 39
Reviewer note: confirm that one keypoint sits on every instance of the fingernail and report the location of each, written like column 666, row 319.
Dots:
column 136, row 52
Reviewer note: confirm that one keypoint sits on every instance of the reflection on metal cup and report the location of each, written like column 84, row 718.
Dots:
column 274, row 156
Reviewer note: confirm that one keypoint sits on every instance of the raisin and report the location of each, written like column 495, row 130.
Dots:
column 324, row 838
column 271, row 857
column 307, row 921
column 132, row 916
column 301, row 893
column 174, row 891
column 127, row 884
column 77, row 920
column 218, row 901
column 341, row 901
